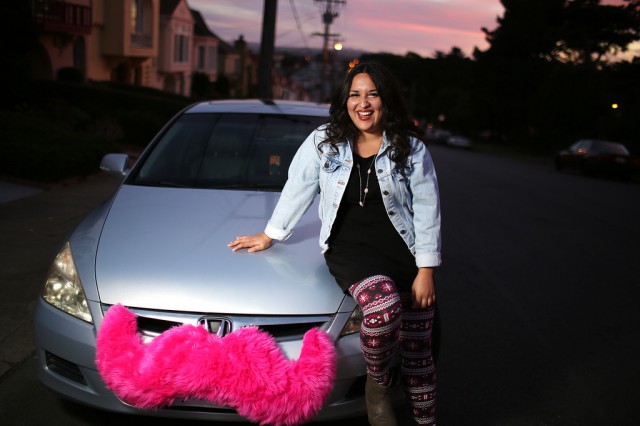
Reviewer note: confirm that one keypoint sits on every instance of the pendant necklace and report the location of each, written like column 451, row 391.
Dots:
column 363, row 194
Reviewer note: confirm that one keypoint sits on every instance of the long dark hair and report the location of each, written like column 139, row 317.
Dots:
column 396, row 122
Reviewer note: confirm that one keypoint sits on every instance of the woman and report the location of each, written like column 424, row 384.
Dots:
column 380, row 234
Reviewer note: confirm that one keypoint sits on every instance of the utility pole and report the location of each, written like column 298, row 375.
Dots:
column 267, row 43
column 327, row 19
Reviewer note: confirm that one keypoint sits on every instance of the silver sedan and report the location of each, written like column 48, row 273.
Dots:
column 159, row 248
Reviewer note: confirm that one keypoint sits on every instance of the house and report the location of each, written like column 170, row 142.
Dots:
column 205, row 48
column 174, row 65
column 124, row 41
column 239, row 65
column 112, row 40
column 151, row 43
column 64, row 27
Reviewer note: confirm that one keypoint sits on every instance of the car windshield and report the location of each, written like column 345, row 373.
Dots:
column 609, row 148
column 226, row 150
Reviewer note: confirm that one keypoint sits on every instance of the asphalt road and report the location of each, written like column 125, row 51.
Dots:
column 538, row 296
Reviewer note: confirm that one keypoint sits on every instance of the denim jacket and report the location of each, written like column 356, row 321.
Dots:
column 410, row 196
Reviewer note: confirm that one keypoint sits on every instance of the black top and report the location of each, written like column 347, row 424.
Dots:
column 363, row 241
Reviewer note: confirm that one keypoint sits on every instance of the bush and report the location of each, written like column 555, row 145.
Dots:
column 201, row 87
column 139, row 126
column 46, row 150
column 62, row 130
column 70, row 74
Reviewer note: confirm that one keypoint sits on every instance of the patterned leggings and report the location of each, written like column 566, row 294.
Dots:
column 389, row 320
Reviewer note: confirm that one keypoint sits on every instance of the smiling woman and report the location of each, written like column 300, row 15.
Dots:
column 365, row 110
column 380, row 231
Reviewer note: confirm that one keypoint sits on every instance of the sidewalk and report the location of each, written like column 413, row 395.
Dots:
column 11, row 191
column 33, row 224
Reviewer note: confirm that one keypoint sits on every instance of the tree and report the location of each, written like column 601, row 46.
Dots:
column 576, row 31
column 222, row 87
column 435, row 87
column 527, row 29
column 19, row 36
column 590, row 31
column 540, row 44
column 200, row 86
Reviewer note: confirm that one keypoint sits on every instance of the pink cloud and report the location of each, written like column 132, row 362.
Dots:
column 420, row 26
column 374, row 25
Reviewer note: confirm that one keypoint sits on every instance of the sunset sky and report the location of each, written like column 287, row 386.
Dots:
column 420, row 26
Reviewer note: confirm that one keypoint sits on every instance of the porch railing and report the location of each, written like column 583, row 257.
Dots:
column 62, row 17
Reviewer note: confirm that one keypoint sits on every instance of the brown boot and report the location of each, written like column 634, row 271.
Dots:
column 379, row 409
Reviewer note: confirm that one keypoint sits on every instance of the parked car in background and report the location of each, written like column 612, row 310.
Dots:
column 594, row 156
column 159, row 248
column 436, row 135
column 459, row 141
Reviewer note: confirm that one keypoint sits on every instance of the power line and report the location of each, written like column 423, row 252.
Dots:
column 327, row 19
column 299, row 25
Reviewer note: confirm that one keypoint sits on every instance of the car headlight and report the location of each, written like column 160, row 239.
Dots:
column 62, row 288
column 353, row 323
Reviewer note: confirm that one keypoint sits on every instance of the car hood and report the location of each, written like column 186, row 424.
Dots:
column 166, row 249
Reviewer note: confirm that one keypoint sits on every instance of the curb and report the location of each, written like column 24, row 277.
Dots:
column 33, row 224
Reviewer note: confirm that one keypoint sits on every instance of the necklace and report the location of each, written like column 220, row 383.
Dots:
column 363, row 194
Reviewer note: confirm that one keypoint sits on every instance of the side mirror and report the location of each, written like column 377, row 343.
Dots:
column 115, row 164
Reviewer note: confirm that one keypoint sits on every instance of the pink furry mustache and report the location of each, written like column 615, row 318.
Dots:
column 245, row 369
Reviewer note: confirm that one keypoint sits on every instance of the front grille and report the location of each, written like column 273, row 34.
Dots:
column 199, row 405
column 285, row 332
column 282, row 328
column 64, row 368
column 154, row 326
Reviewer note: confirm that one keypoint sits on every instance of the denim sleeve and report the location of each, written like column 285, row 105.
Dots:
column 426, row 207
column 300, row 189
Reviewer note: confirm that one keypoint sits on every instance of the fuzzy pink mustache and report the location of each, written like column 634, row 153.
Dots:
column 245, row 369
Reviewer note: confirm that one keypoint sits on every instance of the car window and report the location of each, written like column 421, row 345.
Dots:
column 207, row 150
column 576, row 146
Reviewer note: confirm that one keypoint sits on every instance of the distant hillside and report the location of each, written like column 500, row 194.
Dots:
column 301, row 51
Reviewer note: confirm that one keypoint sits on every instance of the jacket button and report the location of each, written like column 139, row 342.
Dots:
column 341, row 182
column 391, row 213
column 335, row 205
column 326, row 164
column 403, row 232
column 385, row 192
column 379, row 171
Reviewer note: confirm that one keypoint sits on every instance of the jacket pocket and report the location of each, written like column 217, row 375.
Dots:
column 400, row 179
column 330, row 164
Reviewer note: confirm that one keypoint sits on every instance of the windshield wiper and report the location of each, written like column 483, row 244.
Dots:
column 161, row 183
column 248, row 186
